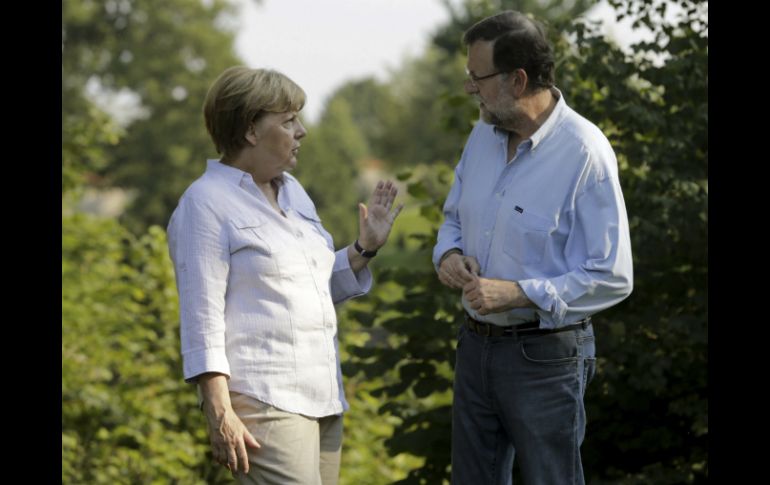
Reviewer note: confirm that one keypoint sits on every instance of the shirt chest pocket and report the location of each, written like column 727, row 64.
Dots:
column 249, row 233
column 310, row 216
column 526, row 235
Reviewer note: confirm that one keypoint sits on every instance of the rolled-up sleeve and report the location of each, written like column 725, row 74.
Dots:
column 599, row 248
column 345, row 283
column 199, row 249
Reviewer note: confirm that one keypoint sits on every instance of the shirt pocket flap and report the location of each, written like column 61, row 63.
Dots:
column 241, row 222
column 247, row 234
column 308, row 213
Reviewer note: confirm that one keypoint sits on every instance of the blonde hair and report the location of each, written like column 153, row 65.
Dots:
column 239, row 97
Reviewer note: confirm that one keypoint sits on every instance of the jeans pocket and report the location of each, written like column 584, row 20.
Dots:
column 553, row 349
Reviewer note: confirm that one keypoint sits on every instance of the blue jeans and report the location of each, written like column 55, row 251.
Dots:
column 520, row 396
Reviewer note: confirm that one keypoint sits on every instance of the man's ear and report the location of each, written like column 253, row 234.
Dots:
column 251, row 134
column 519, row 81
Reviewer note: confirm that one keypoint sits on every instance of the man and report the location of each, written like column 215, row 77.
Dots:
column 536, row 237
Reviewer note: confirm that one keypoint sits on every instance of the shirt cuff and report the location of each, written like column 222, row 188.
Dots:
column 440, row 250
column 552, row 309
column 345, row 283
column 205, row 360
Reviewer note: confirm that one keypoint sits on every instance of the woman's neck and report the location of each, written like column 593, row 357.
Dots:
column 270, row 190
column 269, row 187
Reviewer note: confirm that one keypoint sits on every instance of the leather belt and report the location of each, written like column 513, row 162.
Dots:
column 523, row 329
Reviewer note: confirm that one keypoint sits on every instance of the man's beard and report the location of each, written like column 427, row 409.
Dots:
column 504, row 117
column 490, row 117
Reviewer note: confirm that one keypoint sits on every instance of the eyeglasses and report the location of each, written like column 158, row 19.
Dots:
column 473, row 79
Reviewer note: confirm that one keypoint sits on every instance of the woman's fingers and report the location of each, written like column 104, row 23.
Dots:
column 391, row 197
column 232, row 460
column 377, row 194
column 396, row 213
column 243, row 458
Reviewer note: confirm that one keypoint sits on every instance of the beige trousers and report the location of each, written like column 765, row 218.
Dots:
column 295, row 449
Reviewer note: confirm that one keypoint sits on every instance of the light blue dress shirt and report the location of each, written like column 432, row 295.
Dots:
column 551, row 218
column 257, row 291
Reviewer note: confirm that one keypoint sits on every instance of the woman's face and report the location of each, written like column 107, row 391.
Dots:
column 278, row 142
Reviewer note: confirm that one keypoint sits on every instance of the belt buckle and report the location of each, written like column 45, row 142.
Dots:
column 489, row 329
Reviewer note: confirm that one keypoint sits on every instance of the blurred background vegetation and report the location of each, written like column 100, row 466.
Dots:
column 127, row 416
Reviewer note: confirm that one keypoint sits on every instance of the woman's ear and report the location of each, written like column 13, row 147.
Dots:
column 251, row 134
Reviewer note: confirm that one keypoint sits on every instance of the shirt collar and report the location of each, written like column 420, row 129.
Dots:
column 545, row 129
column 233, row 175
column 550, row 122
column 230, row 174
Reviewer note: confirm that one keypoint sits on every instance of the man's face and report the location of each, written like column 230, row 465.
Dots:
column 495, row 103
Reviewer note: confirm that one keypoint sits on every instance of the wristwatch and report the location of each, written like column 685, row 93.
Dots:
column 363, row 252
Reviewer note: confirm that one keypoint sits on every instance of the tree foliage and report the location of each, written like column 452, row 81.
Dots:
column 373, row 109
column 123, row 420
column 87, row 136
column 165, row 55
column 648, row 422
column 127, row 416
column 410, row 346
column 464, row 14
column 328, row 169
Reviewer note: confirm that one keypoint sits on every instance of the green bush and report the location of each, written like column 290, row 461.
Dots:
column 127, row 415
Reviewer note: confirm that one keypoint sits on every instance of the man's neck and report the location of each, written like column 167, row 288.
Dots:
column 534, row 111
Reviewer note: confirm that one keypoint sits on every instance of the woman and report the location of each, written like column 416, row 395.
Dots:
column 258, row 279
